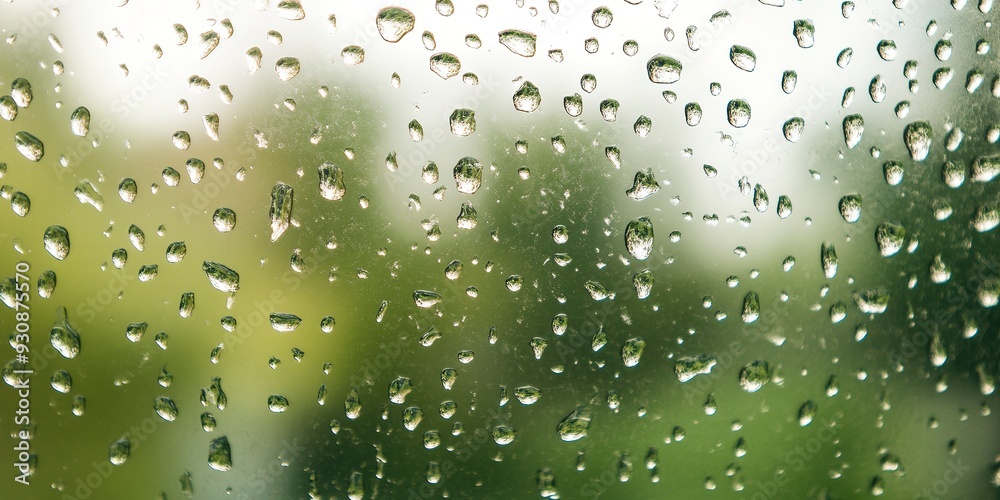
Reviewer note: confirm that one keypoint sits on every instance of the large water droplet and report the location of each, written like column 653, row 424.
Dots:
column 29, row 146
column 394, row 23
column 519, row 42
column 639, row 238
column 663, row 69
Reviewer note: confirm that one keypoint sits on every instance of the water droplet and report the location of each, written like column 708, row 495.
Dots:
column 280, row 212
column 850, row 207
column 854, row 127
column 426, row 298
column 738, row 112
column 527, row 395
column 8, row 108
column 462, row 122
column 220, row 456
column 56, row 242
column 743, row 58
column 20, row 203
column 806, row 413
column 504, row 435
column 760, row 199
column 828, row 259
column 632, row 351
column 519, row 42
column 467, row 217
column 468, row 174
column 127, row 190
column 889, row 238
column 20, row 91
column 291, row 10
column 788, row 81
column 793, row 128
column 399, row 388
column 445, row 65
column 286, row 68
column 61, row 381
column 353, row 55
column 29, row 146
column 663, row 69
column 575, row 425
column 165, row 408
column 844, row 57
column 284, row 322
column 887, row 51
column 277, row 403
column 79, row 121
column 527, row 98
column 120, row 451
column 754, row 375
column 412, row 416
column 805, row 32
column 639, row 238
column 689, row 367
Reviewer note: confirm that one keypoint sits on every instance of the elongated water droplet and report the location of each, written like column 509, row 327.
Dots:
column 20, row 203
column 426, row 298
column 8, row 108
column 632, row 351
column 79, row 121
column 284, row 322
column 280, row 212
column 519, row 42
column 331, row 182
column 751, row 307
column 639, row 238
column 20, row 91
column 689, row 367
column 221, row 277
column 56, row 242
column 828, row 259
column 743, row 58
column 165, row 408
column 29, row 146
column 854, row 127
